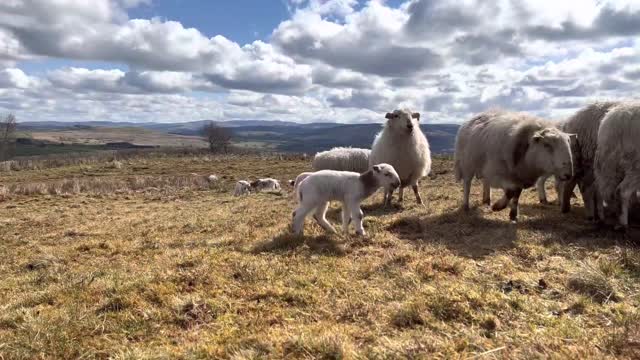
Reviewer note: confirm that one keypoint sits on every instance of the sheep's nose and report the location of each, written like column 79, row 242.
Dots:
column 410, row 127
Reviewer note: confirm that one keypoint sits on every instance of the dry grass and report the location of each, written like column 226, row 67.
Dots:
column 143, row 260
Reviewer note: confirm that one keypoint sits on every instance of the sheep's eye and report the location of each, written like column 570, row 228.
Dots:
column 387, row 174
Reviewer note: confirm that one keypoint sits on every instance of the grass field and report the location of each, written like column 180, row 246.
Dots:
column 103, row 135
column 182, row 269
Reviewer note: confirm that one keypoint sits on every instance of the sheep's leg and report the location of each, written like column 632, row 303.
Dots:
column 357, row 215
column 542, row 193
column 514, row 196
column 486, row 193
column 417, row 193
column 565, row 190
column 388, row 195
column 401, row 194
column 321, row 219
column 465, row 196
column 299, row 214
column 346, row 218
column 627, row 193
column 503, row 202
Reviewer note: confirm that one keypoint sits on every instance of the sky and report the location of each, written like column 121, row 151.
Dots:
column 345, row 61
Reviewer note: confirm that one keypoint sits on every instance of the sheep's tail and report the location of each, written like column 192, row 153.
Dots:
column 458, row 169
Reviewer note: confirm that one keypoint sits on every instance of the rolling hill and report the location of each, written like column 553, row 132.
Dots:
column 273, row 135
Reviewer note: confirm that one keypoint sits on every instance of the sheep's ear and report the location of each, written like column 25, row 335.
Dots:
column 537, row 137
column 416, row 116
column 376, row 168
column 388, row 116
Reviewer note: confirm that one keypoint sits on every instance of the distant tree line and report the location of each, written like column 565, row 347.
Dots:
column 218, row 137
column 8, row 137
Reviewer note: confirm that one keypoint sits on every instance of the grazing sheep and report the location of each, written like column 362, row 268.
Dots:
column 350, row 188
column 511, row 151
column 267, row 184
column 242, row 188
column 342, row 159
column 212, row 178
column 402, row 144
column 617, row 160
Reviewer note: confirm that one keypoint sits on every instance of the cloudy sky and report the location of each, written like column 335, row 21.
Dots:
column 312, row 60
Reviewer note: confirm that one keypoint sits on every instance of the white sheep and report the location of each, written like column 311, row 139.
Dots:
column 617, row 160
column 402, row 144
column 342, row 159
column 212, row 178
column 267, row 184
column 242, row 188
column 350, row 188
column 511, row 151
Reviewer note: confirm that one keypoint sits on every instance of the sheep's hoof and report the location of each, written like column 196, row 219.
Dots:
column 545, row 202
column 466, row 208
column 498, row 207
column 621, row 228
column 361, row 233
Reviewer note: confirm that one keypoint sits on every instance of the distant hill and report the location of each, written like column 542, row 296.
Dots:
column 268, row 134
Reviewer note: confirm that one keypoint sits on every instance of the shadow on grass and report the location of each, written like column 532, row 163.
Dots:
column 323, row 244
column 466, row 233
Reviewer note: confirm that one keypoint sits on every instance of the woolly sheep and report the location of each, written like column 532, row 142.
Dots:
column 585, row 124
column 267, row 184
column 617, row 159
column 350, row 188
column 402, row 144
column 342, row 159
column 242, row 188
column 511, row 151
column 212, row 178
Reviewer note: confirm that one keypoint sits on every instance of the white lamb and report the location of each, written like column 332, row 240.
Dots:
column 296, row 183
column 402, row 144
column 617, row 160
column 242, row 188
column 511, row 151
column 342, row 159
column 350, row 188
column 267, row 184
column 212, row 178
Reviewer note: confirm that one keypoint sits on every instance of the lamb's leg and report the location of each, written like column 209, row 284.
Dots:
column 417, row 193
column 321, row 219
column 465, row 196
column 299, row 214
column 486, row 193
column 503, row 202
column 357, row 216
column 514, row 196
column 346, row 218
column 388, row 195
column 542, row 193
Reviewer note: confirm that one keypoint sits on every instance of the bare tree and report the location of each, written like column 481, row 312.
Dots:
column 218, row 137
column 7, row 137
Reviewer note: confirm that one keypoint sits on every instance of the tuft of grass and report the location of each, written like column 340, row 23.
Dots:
column 597, row 279
column 325, row 347
column 409, row 316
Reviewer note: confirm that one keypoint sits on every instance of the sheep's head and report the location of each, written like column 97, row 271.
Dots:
column 552, row 150
column 403, row 121
column 386, row 176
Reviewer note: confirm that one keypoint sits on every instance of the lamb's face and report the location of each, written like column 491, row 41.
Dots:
column 386, row 175
column 552, row 150
column 403, row 121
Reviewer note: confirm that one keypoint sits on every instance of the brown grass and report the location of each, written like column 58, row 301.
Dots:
column 143, row 260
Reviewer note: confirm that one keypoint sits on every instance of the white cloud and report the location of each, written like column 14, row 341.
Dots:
column 333, row 60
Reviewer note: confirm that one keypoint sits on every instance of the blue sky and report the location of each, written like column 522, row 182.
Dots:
column 312, row 60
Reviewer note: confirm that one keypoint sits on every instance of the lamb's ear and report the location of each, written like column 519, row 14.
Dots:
column 388, row 116
column 416, row 116
column 376, row 168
